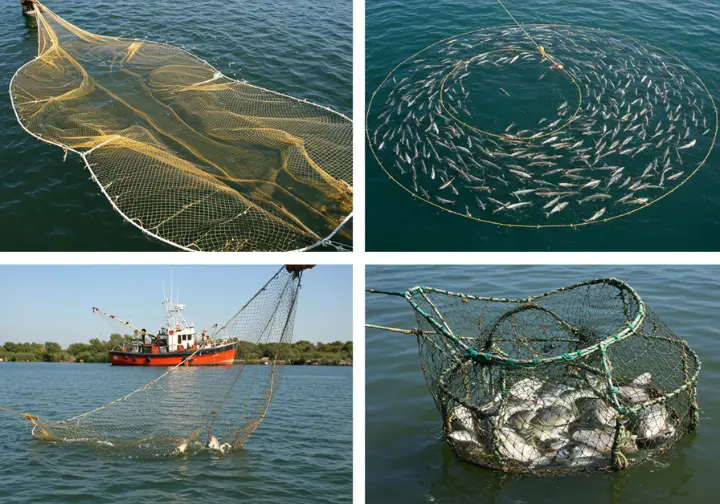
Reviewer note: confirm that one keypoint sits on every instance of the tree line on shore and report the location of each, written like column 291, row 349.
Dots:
column 96, row 350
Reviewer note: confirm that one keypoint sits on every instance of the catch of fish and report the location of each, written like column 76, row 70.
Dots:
column 542, row 425
column 627, row 123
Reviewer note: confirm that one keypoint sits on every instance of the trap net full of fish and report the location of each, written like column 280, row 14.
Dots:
column 189, row 156
column 189, row 409
column 580, row 378
column 541, row 125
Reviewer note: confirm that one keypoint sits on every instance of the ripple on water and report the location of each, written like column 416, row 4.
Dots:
column 301, row 453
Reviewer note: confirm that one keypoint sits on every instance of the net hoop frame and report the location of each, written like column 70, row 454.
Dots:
column 540, row 226
column 84, row 154
column 605, row 389
column 486, row 357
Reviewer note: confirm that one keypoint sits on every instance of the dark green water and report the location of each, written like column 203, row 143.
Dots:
column 406, row 458
column 302, row 452
column 298, row 47
column 686, row 220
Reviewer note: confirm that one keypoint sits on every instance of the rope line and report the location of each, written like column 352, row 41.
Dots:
column 540, row 48
column 393, row 329
column 27, row 416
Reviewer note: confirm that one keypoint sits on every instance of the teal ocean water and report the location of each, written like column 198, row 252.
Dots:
column 407, row 460
column 298, row 47
column 302, row 452
column 685, row 220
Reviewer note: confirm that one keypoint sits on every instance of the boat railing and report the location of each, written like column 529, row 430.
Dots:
column 215, row 343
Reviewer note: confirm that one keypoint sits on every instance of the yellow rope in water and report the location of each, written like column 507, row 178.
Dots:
column 392, row 329
column 26, row 416
column 539, row 47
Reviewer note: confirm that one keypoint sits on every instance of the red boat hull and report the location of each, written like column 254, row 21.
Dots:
column 220, row 356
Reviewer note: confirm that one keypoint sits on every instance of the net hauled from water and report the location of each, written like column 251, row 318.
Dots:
column 178, row 412
column 191, row 157
column 581, row 378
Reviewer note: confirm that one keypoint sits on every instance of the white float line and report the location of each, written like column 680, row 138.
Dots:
column 87, row 153
column 328, row 237
column 214, row 78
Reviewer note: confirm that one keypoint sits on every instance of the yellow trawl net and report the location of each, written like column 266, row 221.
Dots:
column 187, row 155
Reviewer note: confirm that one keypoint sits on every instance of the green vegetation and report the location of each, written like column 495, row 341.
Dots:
column 94, row 351
column 300, row 352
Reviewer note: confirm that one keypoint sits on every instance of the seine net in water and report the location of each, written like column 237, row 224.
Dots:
column 180, row 411
column 577, row 379
column 184, row 153
column 587, row 126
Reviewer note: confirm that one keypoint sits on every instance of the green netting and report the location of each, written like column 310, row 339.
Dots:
column 580, row 378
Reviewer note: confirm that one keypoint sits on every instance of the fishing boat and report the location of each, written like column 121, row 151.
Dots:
column 176, row 342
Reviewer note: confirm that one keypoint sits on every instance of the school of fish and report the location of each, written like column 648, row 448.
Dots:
column 637, row 128
column 544, row 425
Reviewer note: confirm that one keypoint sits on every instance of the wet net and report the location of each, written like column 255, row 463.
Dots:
column 582, row 378
column 188, row 408
column 541, row 125
column 186, row 154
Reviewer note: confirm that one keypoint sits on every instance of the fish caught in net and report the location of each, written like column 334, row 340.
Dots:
column 190, row 408
column 580, row 378
column 189, row 156
column 541, row 125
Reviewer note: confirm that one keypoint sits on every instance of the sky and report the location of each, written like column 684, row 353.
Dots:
column 40, row 303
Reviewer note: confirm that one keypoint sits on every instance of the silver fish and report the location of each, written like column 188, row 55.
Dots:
column 596, row 216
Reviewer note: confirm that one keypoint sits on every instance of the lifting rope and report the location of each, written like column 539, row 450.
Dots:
column 540, row 48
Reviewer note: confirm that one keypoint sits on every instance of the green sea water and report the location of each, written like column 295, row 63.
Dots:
column 685, row 220
column 408, row 461
column 297, row 47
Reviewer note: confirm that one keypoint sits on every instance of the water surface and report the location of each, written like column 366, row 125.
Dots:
column 302, row 452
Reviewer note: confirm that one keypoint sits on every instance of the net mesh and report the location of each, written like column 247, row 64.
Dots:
column 178, row 412
column 186, row 154
column 577, row 379
column 541, row 125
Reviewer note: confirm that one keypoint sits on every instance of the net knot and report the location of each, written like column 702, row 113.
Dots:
column 31, row 418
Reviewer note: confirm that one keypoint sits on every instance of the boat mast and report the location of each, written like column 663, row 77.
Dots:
column 123, row 322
